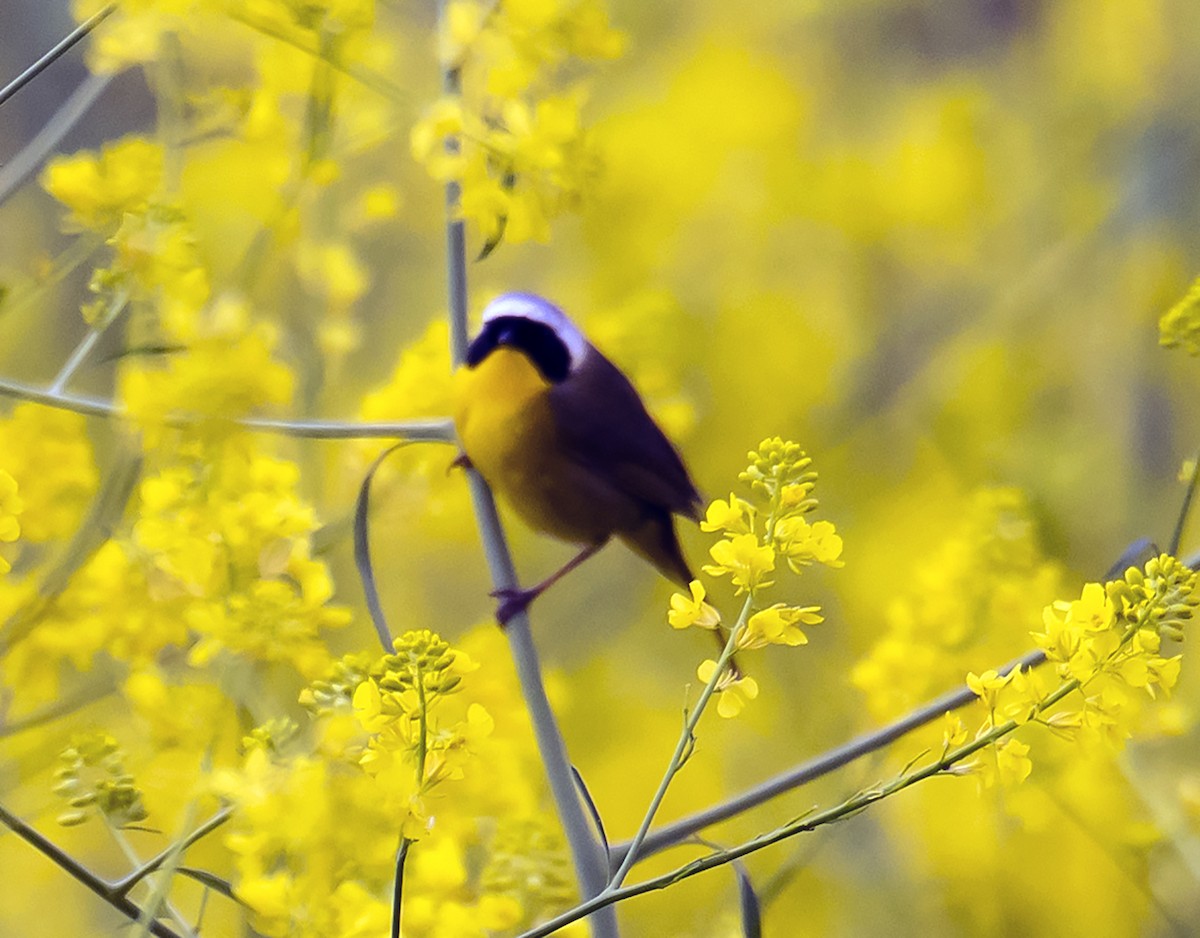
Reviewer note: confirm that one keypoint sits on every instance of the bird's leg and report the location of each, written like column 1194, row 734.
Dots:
column 513, row 599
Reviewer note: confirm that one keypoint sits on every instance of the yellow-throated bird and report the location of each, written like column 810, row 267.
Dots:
column 559, row 431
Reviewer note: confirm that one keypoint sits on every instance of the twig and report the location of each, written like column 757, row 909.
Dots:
column 60, row 48
column 432, row 430
column 806, row 772
column 122, row 886
column 14, row 172
column 158, row 898
column 110, row 894
column 88, row 342
column 679, row 757
column 398, row 885
column 591, row 864
column 846, row 809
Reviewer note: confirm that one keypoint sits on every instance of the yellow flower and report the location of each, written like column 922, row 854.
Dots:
column 747, row 561
column 803, row 543
column 733, row 693
column 10, row 506
column 954, row 731
column 987, row 686
column 734, row 516
column 99, row 188
column 685, row 612
column 779, row 625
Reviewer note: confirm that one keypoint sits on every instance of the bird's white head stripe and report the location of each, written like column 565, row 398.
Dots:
column 535, row 308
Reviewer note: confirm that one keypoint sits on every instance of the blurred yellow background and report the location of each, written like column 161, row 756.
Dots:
column 929, row 241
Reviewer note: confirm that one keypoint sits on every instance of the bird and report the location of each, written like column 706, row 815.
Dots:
column 563, row 436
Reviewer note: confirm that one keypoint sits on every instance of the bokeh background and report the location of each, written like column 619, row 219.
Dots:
column 929, row 241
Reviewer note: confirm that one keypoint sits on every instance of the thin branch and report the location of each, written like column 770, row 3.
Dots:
column 806, row 772
column 367, row 77
column 847, row 809
column 60, row 48
column 26, row 162
column 158, row 898
column 398, row 886
column 118, row 900
column 1188, row 495
column 588, row 854
column 73, row 363
column 122, row 886
column 1135, row 554
column 686, row 741
column 439, row 430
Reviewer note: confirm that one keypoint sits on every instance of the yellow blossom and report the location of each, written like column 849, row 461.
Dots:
column 733, row 692
column 779, row 625
column 987, row 686
column 686, row 612
column 99, row 188
column 747, row 561
column 11, row 505
column 803, row 543
column 734, row 516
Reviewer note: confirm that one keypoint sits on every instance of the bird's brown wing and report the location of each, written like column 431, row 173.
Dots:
column 603, row 426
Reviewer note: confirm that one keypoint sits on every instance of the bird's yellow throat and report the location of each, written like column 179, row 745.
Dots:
column 496, row 405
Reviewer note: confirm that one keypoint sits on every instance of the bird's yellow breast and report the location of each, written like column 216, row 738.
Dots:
column 508, row 431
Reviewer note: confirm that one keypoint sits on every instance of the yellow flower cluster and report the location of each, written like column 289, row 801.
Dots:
column 217, row 560
column 410, row 751
column 522, row 156
column 317, row 825
column 91, row 778
column 1106, row 645
column 99, row 189
column 230, row 540
column 49, row 451
column 781, row 482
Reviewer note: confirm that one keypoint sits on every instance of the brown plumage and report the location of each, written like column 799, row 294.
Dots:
column 558, row 430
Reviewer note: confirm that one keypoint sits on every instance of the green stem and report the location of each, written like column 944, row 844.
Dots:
column 88, row 342
column 681, row 747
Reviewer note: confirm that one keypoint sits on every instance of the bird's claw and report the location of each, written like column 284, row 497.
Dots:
column 512, row 601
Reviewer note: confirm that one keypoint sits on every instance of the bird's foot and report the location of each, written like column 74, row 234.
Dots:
column 461, row 461
column 512, row 601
